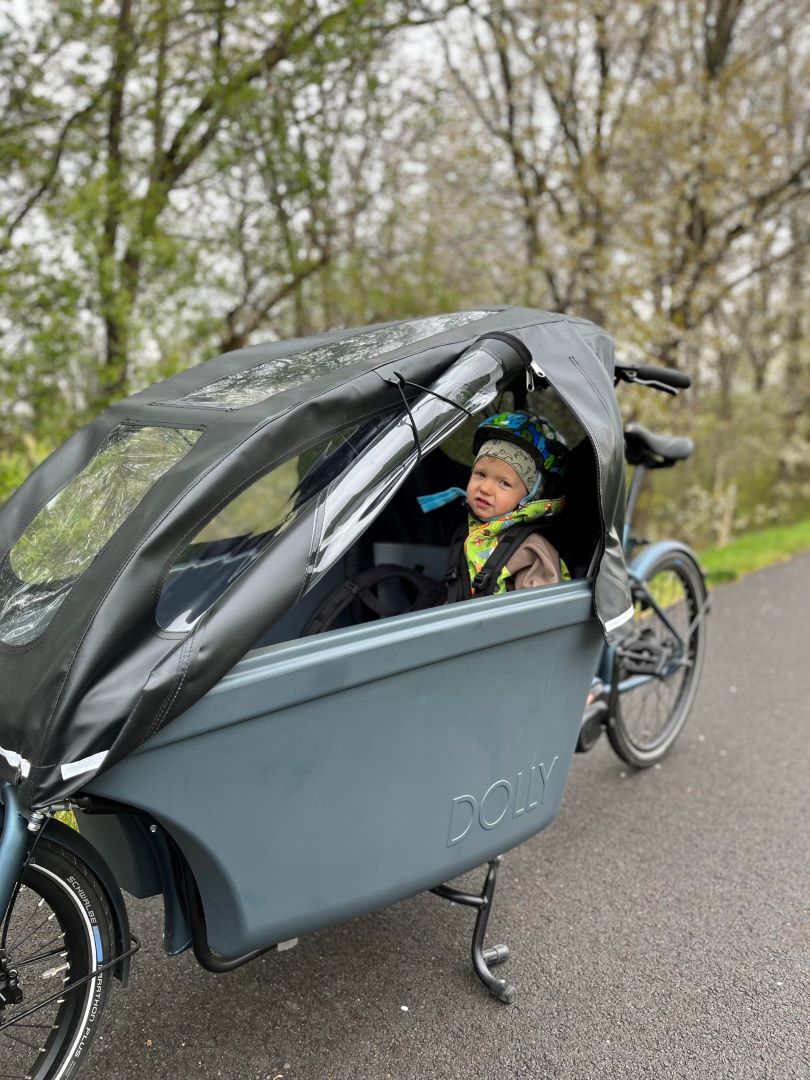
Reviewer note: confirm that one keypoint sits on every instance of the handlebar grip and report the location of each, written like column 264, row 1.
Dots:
column 655, row 377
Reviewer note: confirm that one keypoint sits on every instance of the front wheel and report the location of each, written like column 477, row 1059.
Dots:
column 58, row 931
column 658, row 660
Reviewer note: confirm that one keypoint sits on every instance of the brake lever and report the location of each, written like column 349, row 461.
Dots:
column 653, row 384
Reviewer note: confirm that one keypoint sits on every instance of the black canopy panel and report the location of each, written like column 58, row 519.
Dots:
column 152, row 550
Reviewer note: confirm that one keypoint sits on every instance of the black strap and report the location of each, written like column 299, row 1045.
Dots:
column 457, row 578
column 363, row 592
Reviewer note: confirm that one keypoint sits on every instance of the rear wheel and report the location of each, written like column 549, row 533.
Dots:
column 658, row 661
column 58, row 930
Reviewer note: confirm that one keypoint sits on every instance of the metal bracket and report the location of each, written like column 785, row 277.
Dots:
column 135, row 945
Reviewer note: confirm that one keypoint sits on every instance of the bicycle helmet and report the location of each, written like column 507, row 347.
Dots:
column 536, row 436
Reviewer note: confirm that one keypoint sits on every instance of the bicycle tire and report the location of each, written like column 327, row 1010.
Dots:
column 656, row 679
column 58, row 929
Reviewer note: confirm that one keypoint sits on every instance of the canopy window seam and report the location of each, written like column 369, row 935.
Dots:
column 184, row 660
column 140, row 422
column 617, row 431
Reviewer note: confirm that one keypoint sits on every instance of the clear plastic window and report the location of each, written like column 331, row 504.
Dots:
column 242, row 531
column 69, row 532
column 357, row 498
column 248, row 387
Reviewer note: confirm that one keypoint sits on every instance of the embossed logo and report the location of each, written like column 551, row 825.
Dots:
column 526, row 793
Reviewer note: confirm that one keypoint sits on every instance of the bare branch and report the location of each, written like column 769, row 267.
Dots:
column 50, row 173
column 249, row 318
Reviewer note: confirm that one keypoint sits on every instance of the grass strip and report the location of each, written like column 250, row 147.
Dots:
column 754, row 551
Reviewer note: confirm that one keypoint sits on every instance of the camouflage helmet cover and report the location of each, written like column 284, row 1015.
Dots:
column 534, row 434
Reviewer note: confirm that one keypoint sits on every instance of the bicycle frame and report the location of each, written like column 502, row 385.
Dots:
column 638, row 568
column 14, row 843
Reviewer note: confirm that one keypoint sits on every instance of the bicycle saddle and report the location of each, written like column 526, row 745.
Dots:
column 654, row 450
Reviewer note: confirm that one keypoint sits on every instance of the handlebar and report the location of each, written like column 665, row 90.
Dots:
column 665, row 379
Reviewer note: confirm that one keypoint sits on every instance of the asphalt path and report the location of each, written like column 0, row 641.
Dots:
column 659, row 928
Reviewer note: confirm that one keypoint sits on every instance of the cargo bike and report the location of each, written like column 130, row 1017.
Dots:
column 159, row 578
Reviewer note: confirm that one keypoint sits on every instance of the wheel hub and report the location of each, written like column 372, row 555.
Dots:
column 10, row 993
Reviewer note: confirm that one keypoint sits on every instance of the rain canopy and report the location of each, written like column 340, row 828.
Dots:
column 110, row 623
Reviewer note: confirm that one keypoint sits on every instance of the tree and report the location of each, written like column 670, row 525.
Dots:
column 553, row 84
column 645, row 146
column 141, row 135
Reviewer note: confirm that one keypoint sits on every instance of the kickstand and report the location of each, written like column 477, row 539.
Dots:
column 483, row 958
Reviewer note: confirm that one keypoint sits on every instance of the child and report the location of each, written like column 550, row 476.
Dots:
column 515, row 482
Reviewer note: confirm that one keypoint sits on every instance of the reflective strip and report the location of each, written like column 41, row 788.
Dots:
column 611, row 624
column 15, row 759
column 85, row 764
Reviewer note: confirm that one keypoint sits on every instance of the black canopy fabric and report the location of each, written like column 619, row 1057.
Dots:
column 87, row 668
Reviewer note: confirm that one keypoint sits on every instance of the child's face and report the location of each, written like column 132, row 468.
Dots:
column 494, row 488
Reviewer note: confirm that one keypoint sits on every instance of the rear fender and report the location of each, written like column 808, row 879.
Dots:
column 644, row 561
column 141, row 858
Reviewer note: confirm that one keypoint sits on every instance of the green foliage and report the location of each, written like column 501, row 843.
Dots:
column 755, row 551
column 730, row 485
column 67, row 817
column 14, row 468
column 261, row 507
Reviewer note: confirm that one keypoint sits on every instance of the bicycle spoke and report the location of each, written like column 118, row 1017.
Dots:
column 57, row 950
column 47, row 1027
column 22, row 1042
column 28, row 918
column 19, row 942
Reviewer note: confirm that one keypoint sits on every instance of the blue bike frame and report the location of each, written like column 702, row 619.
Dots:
column 639, row 568
column 14, row 843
